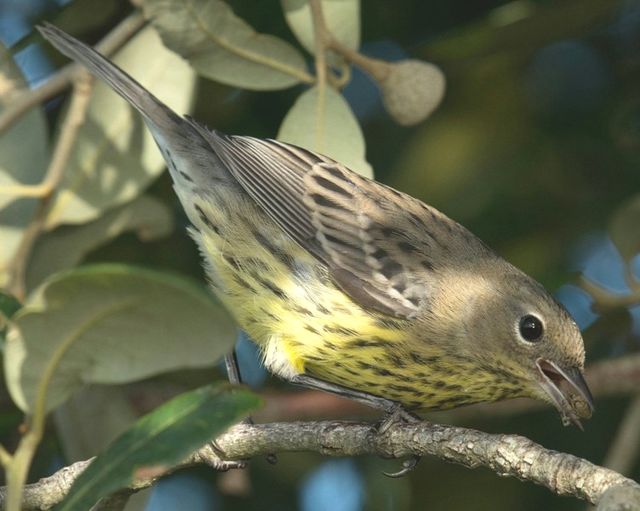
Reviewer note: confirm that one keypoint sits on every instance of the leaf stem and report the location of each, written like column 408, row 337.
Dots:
column 16, row 268
column 5, row 457
column 321, row 36
column 378, row 69
column 605, row 299
column 18, row 468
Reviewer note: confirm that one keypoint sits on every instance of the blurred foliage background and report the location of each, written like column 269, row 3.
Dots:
column 535, row 148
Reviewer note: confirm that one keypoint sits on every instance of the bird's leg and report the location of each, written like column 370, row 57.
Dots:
column 377, row 402
column 396, row 415
column 233, row 374
column 231, row 364
column 394, row 411
column 400, row 414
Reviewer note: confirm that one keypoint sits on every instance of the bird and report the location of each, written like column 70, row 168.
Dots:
column 350, row 286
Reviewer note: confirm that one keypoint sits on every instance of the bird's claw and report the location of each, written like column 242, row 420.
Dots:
column 398, row 414
column 407, row 466
column 394, row 415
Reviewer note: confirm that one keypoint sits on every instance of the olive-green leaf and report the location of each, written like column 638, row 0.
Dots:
column 91, row 419
column 223, row 47
column 23, row 160
column 67, row 245
column 8, row 307
column 342, row 18
column 326, row 124
column 623, row 228
column 109, row 324
column 159, row 440
column 115, row 157
column 24, row 148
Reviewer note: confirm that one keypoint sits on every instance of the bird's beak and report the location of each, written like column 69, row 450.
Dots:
column 567, row 390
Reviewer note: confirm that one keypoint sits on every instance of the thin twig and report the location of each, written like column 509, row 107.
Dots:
column 605, row 299
column 5, row 457
column 507, row 455
column 320, row 36
column 378, row 69
column 16, row 268
column 29, row 99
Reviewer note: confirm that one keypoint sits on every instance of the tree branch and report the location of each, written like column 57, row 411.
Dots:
column 507, row 455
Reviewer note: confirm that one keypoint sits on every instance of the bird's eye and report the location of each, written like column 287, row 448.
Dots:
column 530, row 328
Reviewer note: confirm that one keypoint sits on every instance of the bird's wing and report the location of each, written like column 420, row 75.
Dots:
column 359, row 228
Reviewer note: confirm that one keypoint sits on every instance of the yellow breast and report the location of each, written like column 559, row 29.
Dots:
column 285, row 300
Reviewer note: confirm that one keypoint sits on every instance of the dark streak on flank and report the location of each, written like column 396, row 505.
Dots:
column 311, row 329
column 268, row 314
column 282, row 256
column 372, row 342
column 186, row 176
column 336, row 329
column 206, row 220
column 232, row 261
column 419, row 359
column 322, row 309
column 302, row 310
column 272, row 287
column 243, row 283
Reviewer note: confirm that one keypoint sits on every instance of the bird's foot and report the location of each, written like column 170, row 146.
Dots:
column 398, row 414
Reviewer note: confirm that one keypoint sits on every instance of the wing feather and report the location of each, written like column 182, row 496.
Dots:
column 362, row 230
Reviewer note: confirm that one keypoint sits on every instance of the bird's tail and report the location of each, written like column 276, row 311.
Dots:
column 140, row 98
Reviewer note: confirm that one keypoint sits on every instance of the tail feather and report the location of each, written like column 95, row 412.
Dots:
column 131, row 90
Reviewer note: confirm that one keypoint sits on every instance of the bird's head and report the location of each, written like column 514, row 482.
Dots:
column 543, row 344
column 522, row 335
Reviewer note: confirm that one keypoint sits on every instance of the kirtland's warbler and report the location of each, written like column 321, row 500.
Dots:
column 351, row 286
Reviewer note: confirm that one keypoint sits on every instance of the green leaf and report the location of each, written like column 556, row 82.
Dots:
column 91, row 419
column 67, row 245
column 326, row 125
column 24, row 151
column 342, row 18
column 623, row 229
column 109, row 324
column 115, row 157
column 14, row 219
column 24, row 155
column 8, row 307
column 159, row 440
column 223, row 47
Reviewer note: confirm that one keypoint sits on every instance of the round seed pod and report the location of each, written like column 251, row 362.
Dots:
column 411, row 90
